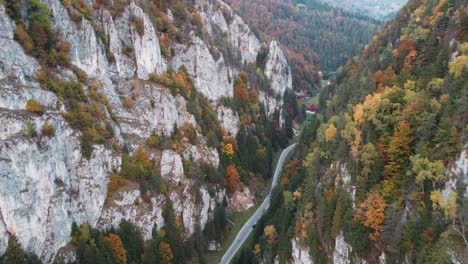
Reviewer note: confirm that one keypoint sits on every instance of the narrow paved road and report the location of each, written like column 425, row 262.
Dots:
column 247, row 228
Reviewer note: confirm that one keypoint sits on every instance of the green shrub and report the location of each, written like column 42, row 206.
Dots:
column 83, row 8
column 154, row 141
column 35, row 107
column 165, row 79
column 80, row 74
column 40, row 12
column 110, row 55
column 127, row 50
column 13, row 8
column 29, row 130
column 139, row 25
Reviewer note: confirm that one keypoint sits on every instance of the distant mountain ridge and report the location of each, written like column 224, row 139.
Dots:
column 377, row 9
column 316, row 36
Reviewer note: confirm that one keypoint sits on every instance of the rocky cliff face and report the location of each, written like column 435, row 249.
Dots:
column 240, row 36
column 300, row 254
column 47, row 184
column 212, row 77
column 278, row 70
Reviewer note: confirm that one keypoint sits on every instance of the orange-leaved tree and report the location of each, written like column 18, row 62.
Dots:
column 371, row 213
column 270, row 234
column 117, row 247
column 165, row 252
column 232, row 177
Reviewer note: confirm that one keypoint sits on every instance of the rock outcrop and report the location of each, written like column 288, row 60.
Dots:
column 278, row 70
column 300, row 254
column 240, row 36
column 154, row 110
column 228, row 119
column 342, row 252
column 127, row 204
column 241, row 199
column 211, row 76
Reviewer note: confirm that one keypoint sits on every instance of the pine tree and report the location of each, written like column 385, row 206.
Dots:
column 14, row 253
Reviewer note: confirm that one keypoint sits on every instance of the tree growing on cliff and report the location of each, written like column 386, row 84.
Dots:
column 132, row 240
column 14, row 252
column 371, row 213
column 232, row 177
column 117, row 247
column 399, row 151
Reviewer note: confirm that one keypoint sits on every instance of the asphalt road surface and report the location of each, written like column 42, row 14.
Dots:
column 247, row 228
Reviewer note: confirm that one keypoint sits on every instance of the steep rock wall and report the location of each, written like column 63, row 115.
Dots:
column 211, row 76
column 300, row 254
column 239, row 34
column 47, row 184
column 278, row 70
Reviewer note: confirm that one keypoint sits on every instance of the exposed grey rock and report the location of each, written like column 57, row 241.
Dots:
column 300, row 254
column 172, row 169
column 241, row 200
column 277, row 69
column 211, row 77
column 240, row 35
column 47, row 185
column 228, row 119
column 202, row 154
column 342, row 252
column 127, row 204
column 155, row 109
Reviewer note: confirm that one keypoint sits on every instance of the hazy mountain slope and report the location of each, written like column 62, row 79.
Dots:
column 378, row 9
column 381, row 173
column 315, row 38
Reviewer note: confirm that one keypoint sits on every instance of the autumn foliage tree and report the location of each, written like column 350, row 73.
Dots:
column 371, row 213
column 232, row 177
column 241, row 93
column 399, row 150
column 117, row 247
column 330, row 133
column 270, row 234
column 270, row 237
column 165, row 252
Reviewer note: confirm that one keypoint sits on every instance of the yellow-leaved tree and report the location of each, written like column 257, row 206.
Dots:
column 330, row 133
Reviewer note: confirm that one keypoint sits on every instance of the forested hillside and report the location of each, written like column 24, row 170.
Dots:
column 316, row 37
column 381, row 173
column 378, row 9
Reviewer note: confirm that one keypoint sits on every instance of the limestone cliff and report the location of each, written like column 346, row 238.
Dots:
column 46, row 183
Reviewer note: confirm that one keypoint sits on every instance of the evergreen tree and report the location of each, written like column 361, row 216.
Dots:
column 14, row 253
